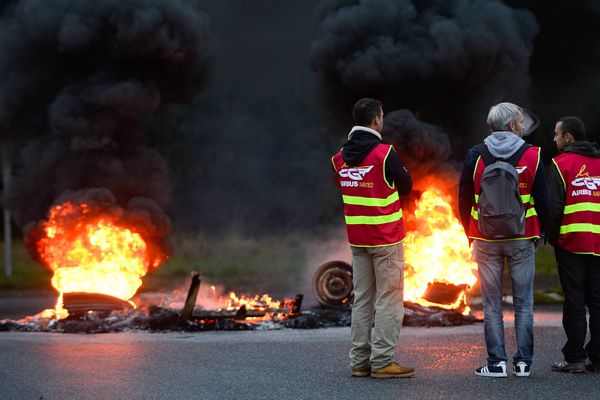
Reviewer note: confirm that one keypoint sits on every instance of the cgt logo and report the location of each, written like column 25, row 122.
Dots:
column 591, row 183
column 356, row 174
column 583, row 178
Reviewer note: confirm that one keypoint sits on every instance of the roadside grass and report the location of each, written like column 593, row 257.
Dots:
column 546, row 284
column 545, row 263
column 267, row 264
column 26, row 274
column 275, row 264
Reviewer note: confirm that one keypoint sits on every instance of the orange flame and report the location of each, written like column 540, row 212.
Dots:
column 272, row 309
column 90, row 252
column 437, row 250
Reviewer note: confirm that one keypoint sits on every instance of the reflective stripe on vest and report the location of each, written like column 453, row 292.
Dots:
column 373, row 220
column 371, row 206
column 371, row 201
column 528, row 164
column 580, row 223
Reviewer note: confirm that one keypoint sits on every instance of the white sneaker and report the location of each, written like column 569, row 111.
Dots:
column 521, row 369
column 493, row 371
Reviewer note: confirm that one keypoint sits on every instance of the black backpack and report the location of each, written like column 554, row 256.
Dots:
column 501, row 214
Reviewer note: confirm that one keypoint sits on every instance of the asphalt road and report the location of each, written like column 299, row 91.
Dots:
column 283, row 364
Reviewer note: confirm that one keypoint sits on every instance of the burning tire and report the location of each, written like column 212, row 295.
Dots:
column 332, row 284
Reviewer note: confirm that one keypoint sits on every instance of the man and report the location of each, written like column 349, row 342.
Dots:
column 505, row 120
column 574, row 231
column 371, row 177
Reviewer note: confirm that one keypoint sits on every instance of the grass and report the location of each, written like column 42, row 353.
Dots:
column 270, row 264
column 26, row 274
column 281, row 265
column 545, row 263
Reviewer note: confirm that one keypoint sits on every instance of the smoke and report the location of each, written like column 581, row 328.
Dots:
column 444, row 60
column 77, row 82
column 424, row 148
column 80, row 80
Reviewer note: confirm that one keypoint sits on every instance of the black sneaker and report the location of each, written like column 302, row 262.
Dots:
column 497, row 370
column 521, row 369
column 572, row 367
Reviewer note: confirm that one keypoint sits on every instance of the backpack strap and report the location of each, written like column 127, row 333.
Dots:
column 488, row 158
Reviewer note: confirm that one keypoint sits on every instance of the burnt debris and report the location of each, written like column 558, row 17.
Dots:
column 98, row 313
column 78, row 304
column 159, row 319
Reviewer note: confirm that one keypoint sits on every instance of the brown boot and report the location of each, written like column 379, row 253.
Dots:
column 393, row 370
column 362, row 371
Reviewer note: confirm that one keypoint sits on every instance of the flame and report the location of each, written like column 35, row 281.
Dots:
column 437, row 251
column 90, row 252
column 266, row 307
column 261, row 303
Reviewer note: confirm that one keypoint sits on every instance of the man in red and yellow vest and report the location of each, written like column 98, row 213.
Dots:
column 371, row 177
column 574, row 231
column 506, row 121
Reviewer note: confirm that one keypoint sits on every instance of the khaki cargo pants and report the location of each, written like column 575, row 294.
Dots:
column 378, row 278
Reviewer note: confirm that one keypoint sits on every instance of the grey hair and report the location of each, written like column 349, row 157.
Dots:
column 501, row 115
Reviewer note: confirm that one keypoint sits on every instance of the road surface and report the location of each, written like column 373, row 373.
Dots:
column 280, row 364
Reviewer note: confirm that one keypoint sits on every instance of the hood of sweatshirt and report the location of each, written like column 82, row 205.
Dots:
column 584, row 148
column 361, row 141
column 503, row 144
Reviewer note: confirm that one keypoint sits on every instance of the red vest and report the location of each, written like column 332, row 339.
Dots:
column 580, row 224
column 527, row 167
column 371, row 206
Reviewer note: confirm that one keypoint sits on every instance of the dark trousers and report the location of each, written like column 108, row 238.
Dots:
column 580, row 280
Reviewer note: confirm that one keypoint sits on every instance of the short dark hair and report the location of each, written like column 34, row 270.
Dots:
column 365, row 110
column 573, row 125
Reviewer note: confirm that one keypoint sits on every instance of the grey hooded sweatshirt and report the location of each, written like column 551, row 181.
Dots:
column 503, row 144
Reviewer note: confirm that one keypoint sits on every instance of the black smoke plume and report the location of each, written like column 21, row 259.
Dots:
column 446, row 60
column 78, row 79
column 426, row 153
column 424, row 149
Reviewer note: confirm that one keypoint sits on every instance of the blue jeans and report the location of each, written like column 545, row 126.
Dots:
column 490, row 257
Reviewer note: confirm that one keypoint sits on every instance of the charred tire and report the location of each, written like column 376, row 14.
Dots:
column 332, row 284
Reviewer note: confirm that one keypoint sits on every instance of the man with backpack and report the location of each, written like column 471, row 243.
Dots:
column 503, row 204
column 574, row 231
